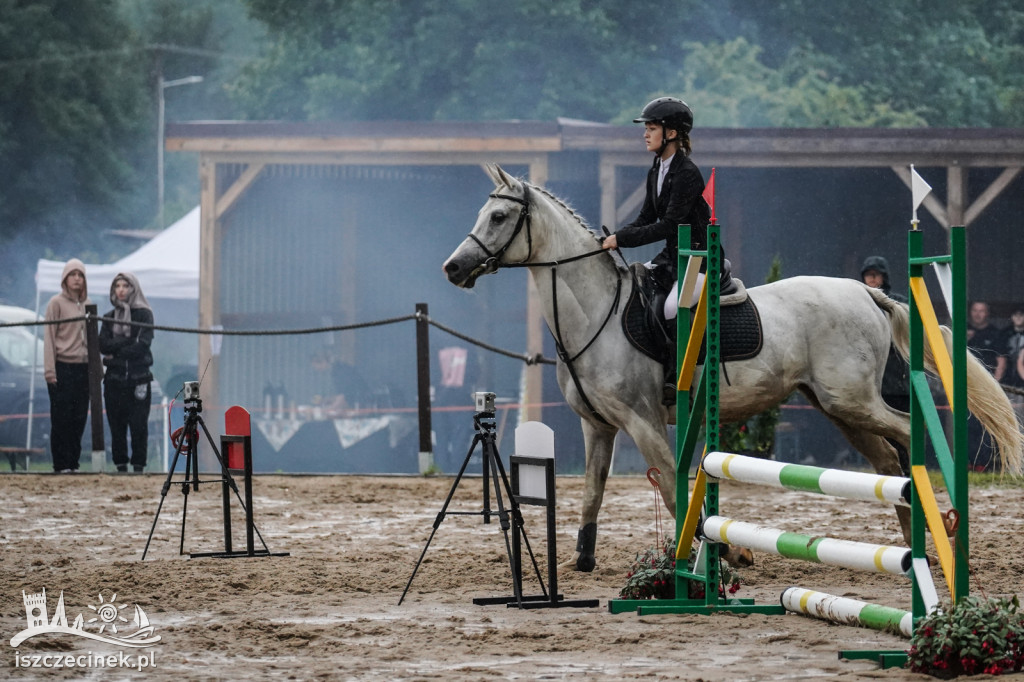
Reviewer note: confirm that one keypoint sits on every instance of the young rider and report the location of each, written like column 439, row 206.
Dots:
column 674, row 197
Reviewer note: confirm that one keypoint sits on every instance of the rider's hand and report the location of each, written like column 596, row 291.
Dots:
column 610, row 242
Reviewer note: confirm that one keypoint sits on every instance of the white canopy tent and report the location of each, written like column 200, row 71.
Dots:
column 167, row 266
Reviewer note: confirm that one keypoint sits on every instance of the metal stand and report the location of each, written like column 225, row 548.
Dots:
column 188, row 442
column 483, row 423
column 516, row 464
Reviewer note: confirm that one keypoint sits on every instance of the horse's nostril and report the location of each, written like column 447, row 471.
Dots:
column 451, row 267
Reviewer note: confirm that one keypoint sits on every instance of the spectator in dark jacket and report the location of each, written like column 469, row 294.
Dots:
column 875, row 273
column 126, row 382
column 896, row 377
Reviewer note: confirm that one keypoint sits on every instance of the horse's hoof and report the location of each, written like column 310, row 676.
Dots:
column 578, row 563
column 738, row 557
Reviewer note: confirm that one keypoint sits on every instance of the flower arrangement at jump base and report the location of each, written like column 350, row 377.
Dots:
column 977, row 636
column 652, row 576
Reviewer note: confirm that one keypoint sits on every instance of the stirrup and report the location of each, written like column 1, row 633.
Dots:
column 668, row 394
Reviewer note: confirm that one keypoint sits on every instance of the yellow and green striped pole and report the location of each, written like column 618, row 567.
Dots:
column 859, row 556
column 846, row 611
column 851, row 485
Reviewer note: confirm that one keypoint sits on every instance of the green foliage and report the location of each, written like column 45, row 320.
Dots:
column 72, row 107
column 456, row 59
column 976, row 636
column 652, row 575
column 730, row 86
column 78, row 121
column 790, row 63
column 952, row 62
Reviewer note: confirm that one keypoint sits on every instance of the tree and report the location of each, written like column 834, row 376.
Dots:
column 78, row 119
column 731, row 86
column 785, row 63
column 454, row 59
column 954, row 62
column 71, row 102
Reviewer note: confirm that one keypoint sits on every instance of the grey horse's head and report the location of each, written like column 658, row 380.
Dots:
column 500, row 236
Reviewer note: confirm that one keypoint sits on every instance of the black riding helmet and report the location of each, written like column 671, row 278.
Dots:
column 670, row 113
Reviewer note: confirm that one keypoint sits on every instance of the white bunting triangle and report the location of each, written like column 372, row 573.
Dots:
column 919, row 188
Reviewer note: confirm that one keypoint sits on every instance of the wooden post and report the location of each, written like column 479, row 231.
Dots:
column 92, row 339
column 426, row 455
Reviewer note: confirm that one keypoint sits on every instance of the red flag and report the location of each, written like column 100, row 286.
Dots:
column 709, row 194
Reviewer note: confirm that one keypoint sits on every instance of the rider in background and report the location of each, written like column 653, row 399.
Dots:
column 674, row 197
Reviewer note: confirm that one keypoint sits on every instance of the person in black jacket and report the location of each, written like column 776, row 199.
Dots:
column 896, row 377
column 126, row 382
column 674, row 197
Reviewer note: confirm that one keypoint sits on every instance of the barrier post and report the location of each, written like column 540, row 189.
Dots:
column 92, row 337
column 958, row 250
column 426, row 454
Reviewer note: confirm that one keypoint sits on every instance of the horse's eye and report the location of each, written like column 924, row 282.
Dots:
column 498, row 217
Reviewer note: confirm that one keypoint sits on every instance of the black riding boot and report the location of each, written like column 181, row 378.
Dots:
column 668, row 389
column 727, row 286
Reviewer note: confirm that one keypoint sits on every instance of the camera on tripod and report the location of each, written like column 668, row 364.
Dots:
column 191, row 391
column 484, row 402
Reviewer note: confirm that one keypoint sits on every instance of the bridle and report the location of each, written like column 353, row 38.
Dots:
column 493, row 262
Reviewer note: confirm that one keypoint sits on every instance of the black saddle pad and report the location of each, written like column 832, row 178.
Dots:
column 741, row 331
column 742, row 336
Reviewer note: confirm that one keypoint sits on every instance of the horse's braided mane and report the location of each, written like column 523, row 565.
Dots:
column 570, row 210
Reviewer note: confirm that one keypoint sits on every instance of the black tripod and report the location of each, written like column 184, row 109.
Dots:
column 188, row 440
column 483, row 423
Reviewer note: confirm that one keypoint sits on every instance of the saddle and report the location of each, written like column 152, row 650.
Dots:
column 644, row 325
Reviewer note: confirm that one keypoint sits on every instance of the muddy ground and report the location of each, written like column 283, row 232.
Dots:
column 330, row 609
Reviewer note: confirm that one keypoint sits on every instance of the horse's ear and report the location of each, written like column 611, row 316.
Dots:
column 500, row 177
column 495, row 173
column 507, row 179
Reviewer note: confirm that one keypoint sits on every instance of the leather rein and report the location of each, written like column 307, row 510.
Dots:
column 493, row 262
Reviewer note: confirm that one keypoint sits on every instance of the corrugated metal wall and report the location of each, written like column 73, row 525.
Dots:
column 311, row 246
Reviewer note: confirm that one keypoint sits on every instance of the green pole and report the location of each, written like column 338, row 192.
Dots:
column 711, row 414
column 917, row 441
column 958, row 492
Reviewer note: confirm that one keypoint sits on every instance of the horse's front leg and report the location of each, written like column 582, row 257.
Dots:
column 598, row 441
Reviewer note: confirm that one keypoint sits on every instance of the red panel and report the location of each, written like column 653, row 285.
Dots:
column 236, row 422
column 234, row 455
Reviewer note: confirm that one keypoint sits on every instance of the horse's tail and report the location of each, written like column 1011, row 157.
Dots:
column 986, row 399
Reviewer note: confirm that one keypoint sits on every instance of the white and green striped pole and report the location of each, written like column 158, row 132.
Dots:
column 845, row 611
column 837, row 483
column 861, row 556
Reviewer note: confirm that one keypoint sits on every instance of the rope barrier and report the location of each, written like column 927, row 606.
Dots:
column 529, row 359
column 534, row 359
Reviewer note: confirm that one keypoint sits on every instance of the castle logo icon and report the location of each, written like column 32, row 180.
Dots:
column 109, row 619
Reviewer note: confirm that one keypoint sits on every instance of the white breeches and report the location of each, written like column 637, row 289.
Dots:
column 672, row 300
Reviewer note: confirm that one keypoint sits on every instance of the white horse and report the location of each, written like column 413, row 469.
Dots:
column 826, row 337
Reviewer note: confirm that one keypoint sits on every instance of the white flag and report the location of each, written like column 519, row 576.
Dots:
column 919, row 188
